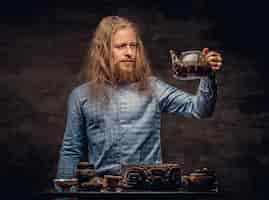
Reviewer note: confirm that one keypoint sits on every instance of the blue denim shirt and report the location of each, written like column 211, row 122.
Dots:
column 127, row 130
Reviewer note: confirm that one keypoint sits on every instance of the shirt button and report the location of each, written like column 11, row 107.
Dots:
column 123, row 120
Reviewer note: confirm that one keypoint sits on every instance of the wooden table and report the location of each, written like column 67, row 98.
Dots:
column 141, row 195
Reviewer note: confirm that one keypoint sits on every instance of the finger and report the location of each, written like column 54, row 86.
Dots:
column 214, row 59
column 216, row 66
column 215, row 63
column 215, row 69
column 213, row 53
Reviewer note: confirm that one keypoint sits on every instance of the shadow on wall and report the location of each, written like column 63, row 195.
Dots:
column 25, row 164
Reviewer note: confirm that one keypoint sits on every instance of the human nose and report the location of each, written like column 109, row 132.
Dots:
column 129, row 50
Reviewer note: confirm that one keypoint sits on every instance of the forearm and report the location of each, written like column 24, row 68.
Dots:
column 206, row 97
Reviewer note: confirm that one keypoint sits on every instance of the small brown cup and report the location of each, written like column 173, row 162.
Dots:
column 111, row 181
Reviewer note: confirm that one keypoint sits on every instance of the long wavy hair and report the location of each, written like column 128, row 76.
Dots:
column 99, row 66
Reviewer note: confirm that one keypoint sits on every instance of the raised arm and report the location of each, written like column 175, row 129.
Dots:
column 174, row 100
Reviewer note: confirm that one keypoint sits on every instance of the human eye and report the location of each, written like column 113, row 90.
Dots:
column 120, row 46
column 133, row 45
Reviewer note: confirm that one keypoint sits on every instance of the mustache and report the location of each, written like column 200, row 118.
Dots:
column 127, row 61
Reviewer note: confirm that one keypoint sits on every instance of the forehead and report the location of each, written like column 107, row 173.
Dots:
column 124, row 35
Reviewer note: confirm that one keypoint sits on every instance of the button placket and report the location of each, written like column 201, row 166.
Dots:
column 118, row 127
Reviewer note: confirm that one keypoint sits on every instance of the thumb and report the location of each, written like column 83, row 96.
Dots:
column 205, row 51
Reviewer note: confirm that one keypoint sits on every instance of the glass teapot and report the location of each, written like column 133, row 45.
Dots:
column 189, row 65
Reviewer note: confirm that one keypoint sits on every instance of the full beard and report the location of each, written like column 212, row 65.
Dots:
column 125, row 73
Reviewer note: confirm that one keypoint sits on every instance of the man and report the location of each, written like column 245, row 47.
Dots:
column 117, row 112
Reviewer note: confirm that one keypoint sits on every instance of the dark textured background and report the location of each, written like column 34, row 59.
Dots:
column 42, row 48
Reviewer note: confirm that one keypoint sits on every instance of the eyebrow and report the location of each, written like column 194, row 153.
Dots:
column 125, row 43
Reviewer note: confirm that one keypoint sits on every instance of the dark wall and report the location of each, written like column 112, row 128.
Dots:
column 42, row 47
